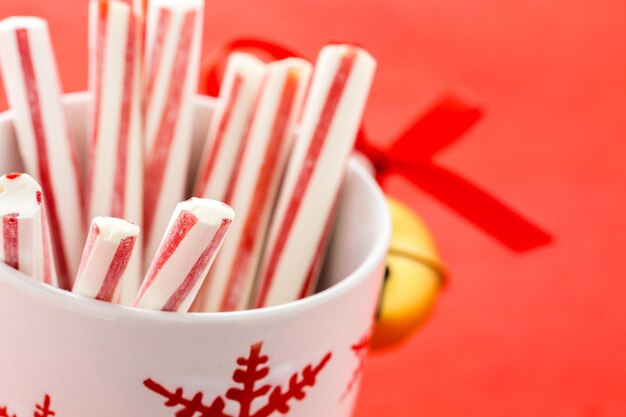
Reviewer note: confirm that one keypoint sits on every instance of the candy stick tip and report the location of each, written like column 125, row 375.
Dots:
column 345, row 48
column 19, row 193
column 115, row 230
column 209, row 211
column 242, row 58
column 23, row 22
column 176, row 5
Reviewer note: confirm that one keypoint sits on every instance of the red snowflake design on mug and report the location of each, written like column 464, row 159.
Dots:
column 252, row 369
column 360, row 350
column 41, row 410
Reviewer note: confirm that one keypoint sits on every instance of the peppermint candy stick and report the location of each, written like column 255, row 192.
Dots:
column 229, row 126
column 25, row 238
column 265, row 155
column 193, row 238
column 173, row 41
column 32, row 84
column 115, row 169
column 108, row 250
column 330, row 121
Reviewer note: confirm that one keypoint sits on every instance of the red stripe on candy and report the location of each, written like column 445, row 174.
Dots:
column 183, row 224
column 11, row 242
column 335, row 93
column 235, row 172
column 91, row 241
column 219, row 136
column 30, row 83
column 157, row 163
column 116, row 269
column 45, row 235
column 157, row 54
column 47, row 258
column 316, row 263
column 181, row 293
column 101, row 31
column 241, row 261
column 119, row 190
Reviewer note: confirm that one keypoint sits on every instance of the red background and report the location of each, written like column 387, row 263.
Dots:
column 538, row 334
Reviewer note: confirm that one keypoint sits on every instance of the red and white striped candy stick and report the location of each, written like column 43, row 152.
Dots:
column 265, row 154
column 108, row 250
column 115, row 169
column 25, row 238
column 238, row 95
column 193, row 238
column 32, row 85
column 173, row 41
column 330, row 121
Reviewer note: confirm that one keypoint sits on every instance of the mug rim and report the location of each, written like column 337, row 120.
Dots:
column 83, row 305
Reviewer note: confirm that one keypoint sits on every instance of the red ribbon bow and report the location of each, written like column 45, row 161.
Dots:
column 410, row 155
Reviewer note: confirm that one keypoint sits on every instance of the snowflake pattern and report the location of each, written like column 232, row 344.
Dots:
column 41, row 410
column 251, row 370
column 359, row 349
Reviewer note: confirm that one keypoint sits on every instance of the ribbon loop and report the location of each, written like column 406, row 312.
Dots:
column 440, row 126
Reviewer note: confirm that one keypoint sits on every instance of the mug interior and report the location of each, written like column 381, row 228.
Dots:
column 358, row 245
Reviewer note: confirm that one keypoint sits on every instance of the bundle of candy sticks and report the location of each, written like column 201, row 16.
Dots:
column 276, row 152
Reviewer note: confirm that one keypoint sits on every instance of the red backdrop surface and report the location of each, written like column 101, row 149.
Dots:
column 543, row 333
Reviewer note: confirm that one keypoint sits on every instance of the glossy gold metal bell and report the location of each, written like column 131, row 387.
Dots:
column 413, row 278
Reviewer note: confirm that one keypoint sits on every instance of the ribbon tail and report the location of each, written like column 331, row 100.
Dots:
column 476, row 205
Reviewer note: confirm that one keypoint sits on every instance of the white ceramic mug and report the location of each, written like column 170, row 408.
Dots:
column 85, row 358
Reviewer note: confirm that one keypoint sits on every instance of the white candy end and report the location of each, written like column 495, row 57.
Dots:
column 341, row 49
column 18, row 194
column 177, row 5
column 115, row 230
column 22, row 22
column 207, row 211
column 246, row 60
column 291, row 63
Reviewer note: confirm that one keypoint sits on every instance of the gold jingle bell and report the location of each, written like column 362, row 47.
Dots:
column 413, row 278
